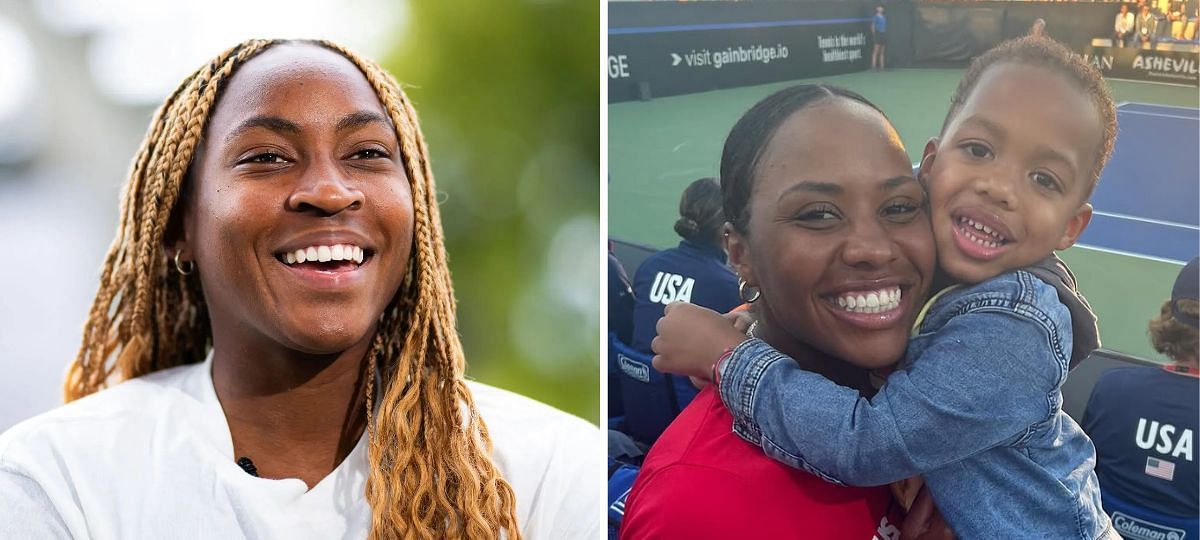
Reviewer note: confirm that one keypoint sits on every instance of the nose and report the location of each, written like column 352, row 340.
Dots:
column 868, row 246
column 324, row 189
column 999, row 187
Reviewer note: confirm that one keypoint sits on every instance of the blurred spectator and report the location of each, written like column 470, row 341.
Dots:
column 1192, row 13
column 1176, row 18
column 1123, row 27
column 1038, row 28
column 1143, row 420
column 1144, row 27
column 694, row 272
column 879, row 37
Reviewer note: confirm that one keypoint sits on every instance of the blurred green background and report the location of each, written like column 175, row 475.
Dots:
column 508, row 97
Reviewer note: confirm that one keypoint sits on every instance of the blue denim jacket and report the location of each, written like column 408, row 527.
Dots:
column 975, row 407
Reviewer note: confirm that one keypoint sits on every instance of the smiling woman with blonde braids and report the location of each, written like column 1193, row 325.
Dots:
column 278, row 313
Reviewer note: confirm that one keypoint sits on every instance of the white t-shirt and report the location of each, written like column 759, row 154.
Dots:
column 1123, row 23
column 152, row 458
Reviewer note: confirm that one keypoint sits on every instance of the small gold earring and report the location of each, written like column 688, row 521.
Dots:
column 180, row 265
column 742, row 292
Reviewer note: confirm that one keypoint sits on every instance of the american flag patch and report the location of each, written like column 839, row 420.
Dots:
column 1159, row 468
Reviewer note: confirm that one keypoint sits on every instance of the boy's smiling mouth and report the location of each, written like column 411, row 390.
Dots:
column 979, row 235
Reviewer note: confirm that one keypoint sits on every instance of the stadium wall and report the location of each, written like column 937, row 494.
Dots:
column 659, row 49
column 670, row 48
column 951, row 34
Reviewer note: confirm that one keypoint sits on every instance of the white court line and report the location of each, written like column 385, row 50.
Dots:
column 1135, row 103
column 1155, row 83
column 1147, row 220
column 1130, row 254
column 1157, row 114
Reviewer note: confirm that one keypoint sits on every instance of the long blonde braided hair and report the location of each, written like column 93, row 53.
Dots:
column 431, row 472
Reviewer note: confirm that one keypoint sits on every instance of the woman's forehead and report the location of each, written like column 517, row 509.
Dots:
column 835, row 136
column 295, row 79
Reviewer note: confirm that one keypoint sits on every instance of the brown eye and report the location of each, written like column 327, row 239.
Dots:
column 977, row 151
column 264, row 158
column 899, row 210
column 817, row 214
column 1046, row 181
column 817, row 217
column 370, row 153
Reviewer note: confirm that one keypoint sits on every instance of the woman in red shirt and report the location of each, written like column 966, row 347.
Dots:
column 820, row 198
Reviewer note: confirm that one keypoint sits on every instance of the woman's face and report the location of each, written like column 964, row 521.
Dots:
column 299, row 157
column 836, row 221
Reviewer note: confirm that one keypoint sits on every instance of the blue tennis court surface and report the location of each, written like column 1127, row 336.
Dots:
column 1148, row 201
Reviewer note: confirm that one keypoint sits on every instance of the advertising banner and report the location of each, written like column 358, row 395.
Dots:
column 1175, row 67
column 658, row 61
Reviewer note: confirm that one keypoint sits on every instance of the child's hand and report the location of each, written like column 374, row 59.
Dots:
column 923, row 521
column 690, row 338
column 741, row 320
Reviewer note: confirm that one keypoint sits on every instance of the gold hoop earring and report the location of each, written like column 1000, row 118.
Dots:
column 179, row 265
column 742, row 292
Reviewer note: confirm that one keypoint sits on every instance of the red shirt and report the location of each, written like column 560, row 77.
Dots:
column 701, row 480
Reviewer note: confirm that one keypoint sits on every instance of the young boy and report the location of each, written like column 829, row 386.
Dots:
column 976, row 405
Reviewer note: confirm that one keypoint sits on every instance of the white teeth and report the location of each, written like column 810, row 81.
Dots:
column 879, row 301
column 984, row 243
column 338, row 252
column 997, row 237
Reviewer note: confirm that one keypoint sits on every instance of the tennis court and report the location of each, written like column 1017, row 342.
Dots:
column 1146, row 202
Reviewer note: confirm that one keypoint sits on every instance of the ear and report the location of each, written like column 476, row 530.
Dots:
column 175, row 237
column 1075, row 226
column 738, row 247
column 927, row 158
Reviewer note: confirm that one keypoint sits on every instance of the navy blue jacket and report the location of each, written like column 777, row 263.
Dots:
column 691, row 273
column 1143, row 421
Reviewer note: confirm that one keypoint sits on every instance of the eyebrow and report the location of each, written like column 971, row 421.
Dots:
column 281, row 125
column 987, row 125
column 359, row 119
column 895, row 182
column 273, row 123
column 828, row 188
column 1050, row 154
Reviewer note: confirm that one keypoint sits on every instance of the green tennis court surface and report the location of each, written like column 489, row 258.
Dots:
column 656, row 148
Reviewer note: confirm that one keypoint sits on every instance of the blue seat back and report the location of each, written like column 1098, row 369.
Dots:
column 616, row 405
column 619, row 485
column 651, row 399
column 1136, row 522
